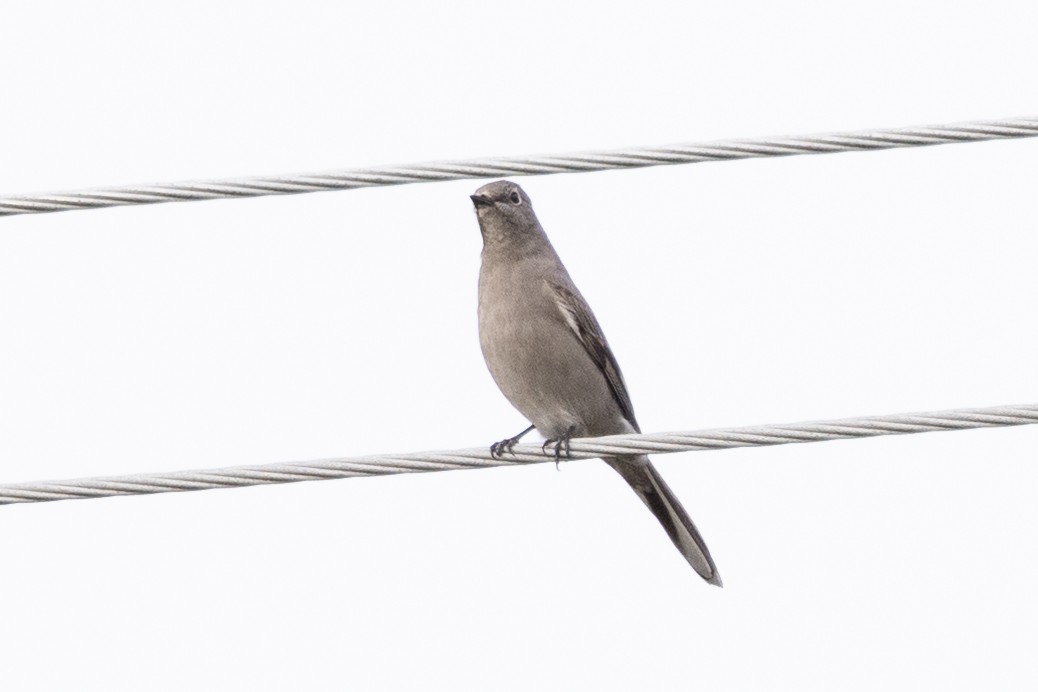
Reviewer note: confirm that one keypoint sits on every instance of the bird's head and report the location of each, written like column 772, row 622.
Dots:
column 505, row 213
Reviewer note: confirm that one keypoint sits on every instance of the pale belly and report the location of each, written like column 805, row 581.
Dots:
column 543, row 370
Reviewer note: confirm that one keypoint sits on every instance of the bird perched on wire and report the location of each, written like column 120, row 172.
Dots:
column 548, row 355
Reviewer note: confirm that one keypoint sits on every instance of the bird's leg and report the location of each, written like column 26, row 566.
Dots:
column 559, row 444
column 498, row 449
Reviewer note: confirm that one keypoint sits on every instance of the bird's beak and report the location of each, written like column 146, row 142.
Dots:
column 480, row 200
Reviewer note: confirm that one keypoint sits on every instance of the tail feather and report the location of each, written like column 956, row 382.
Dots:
column 649, row 485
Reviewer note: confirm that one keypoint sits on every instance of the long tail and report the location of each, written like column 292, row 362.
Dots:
column 646, row 481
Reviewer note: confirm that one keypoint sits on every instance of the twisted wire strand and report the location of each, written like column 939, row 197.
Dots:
column 658, row 443
column 866, row 140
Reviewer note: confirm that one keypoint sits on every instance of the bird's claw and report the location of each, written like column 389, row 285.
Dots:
column 499, row 449
column 559, row 446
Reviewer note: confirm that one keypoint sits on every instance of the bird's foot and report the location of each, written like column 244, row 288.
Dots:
column 499, row 449
column 559, row 446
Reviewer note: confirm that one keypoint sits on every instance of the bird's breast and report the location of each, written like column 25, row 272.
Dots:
column 536, row 359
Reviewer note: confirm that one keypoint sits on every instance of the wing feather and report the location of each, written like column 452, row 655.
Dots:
column 577, row 314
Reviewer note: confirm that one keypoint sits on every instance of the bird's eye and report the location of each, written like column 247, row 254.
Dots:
column 514, row 196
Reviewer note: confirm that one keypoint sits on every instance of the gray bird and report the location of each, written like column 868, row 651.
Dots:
column 549, row 357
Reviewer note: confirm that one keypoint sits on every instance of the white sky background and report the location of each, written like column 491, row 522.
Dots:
column 289, row 328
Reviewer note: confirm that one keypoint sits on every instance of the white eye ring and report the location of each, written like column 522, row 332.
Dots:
column 514, row 196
